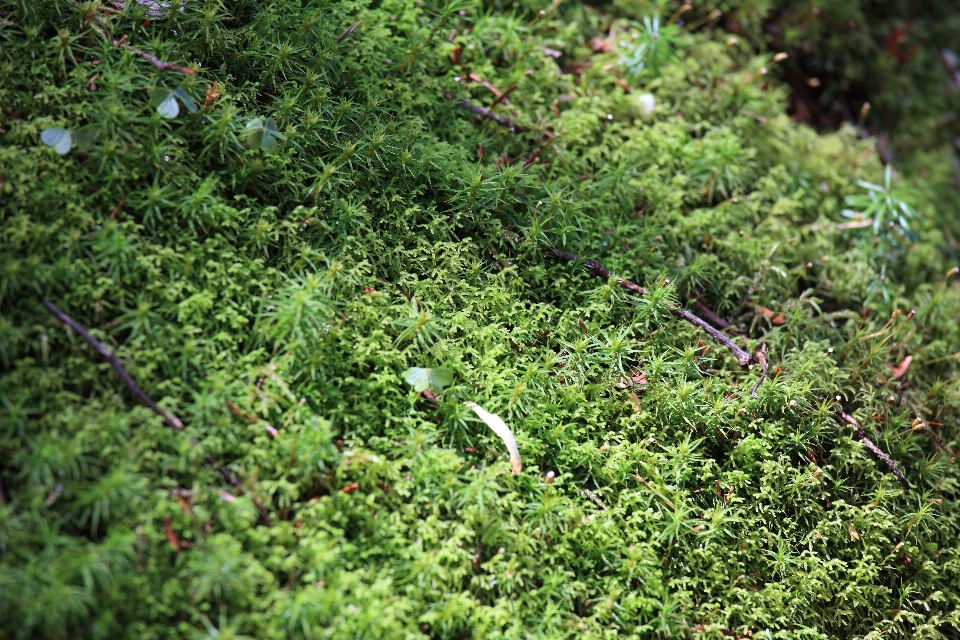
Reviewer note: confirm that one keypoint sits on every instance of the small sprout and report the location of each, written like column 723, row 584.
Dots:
column 422, row 379
column 264, row 135
column 655, row 47
column 61, row 140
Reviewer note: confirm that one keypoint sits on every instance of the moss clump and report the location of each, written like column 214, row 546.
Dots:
column 269, row 265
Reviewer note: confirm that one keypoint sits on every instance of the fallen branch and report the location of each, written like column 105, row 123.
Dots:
column 503, row 96
column 742, row 356
column 711, row 317
column 346, row 34
column 862, row 437
column 761, row 357
column 152, row 59
column 496, row 92
column 595, row 269
column 171, row 420
column 483, row 112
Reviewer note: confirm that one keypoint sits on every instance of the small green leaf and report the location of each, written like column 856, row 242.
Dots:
column 186, row 99
column 60, row 139
column 264, row 135
column 85, row 137
column 434, row 379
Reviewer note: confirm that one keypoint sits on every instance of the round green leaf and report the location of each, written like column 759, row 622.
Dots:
column 434, row 379
column 186, row 99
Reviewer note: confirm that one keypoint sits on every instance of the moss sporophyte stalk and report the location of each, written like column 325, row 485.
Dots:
column 448, row 320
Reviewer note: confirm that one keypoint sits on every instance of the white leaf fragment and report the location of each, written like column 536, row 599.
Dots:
column 60, row 139
column 647, row 103
column 500, row 428
column 169, row 108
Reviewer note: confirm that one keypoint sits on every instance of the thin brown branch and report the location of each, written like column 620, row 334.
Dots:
column 346, row 34
column 113, row 213
column 596, row 269
column 761, row 357
column 171, row 420
column 503, row 96
column 11, row 113
column 496, row 92
column 709, row 315
column 862, row 437
column 742, row 356
column 484, row 113
column 152, row 59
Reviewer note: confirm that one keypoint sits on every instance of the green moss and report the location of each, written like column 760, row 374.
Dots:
column 247, row 287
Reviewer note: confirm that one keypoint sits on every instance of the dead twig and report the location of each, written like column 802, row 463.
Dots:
column 596, row 269
column 496, row 92
column 862, row 437
column 346, row 34
column 484, row 113
column 503, row 96
column 710, row 316
column 171, row 420
column 113, row 213
column 742, row 356
column 152, row 59
column 761, row 357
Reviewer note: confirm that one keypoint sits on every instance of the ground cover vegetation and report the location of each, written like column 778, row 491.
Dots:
column 312, row 232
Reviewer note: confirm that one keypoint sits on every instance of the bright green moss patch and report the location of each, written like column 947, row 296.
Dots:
column 285, row 247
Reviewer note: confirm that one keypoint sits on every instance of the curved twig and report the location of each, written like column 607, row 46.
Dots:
column 596, row 269
column 154, row 60
column 484, row 112
column 172, row 421
column 862, row 437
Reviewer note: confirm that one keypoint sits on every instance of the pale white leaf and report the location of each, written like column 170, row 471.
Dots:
column 60, row 139
column 500, row 428
column 169, row 108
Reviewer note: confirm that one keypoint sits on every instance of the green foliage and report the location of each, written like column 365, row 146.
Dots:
column 654, row 46
column 888, row 210
column 434, row 379
column 276, row 266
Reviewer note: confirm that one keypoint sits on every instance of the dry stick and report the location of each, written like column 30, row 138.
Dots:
column 761, row 356
column 503, row 96
column 350, row 29
column 484, row 113
column 596, row 269
column 171, row 420
column 154, row 60
column 862, row 437
column 709, row 314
